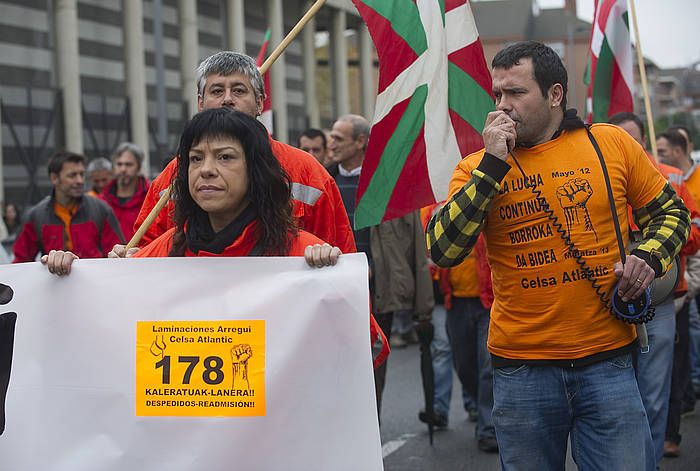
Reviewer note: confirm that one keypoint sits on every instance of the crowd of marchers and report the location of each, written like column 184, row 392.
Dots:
column 538, row 363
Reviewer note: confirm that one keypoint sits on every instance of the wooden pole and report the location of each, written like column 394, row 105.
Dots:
column 263, row 68
column 149, row 219
column 645, row 88
column 291, row 35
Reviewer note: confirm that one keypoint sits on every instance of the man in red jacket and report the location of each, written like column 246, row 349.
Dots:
column 127, row 191
column 67, row 220
column 232, row 80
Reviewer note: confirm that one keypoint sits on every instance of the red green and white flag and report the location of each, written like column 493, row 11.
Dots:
column 610, row 76
column 266, row 116
column 432, row 102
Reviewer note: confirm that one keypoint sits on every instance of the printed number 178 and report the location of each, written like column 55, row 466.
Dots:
column 212, row 374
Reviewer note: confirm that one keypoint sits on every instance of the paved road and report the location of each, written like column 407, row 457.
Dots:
column 405, row 439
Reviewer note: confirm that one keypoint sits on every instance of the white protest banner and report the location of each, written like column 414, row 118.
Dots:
column 189, row 364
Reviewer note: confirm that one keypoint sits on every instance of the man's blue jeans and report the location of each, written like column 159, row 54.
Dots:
column 468, row 329
column 442, row 365
column 536, row 408
column 654, row 372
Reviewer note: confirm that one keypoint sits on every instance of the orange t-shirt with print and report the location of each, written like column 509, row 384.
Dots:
column 545, row 306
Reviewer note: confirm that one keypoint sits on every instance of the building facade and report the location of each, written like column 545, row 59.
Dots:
column 84, row 75
column 502, row 22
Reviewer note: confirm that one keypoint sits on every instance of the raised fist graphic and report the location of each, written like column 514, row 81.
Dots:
column 574, row 193
column 240, row 354
column 573, row 196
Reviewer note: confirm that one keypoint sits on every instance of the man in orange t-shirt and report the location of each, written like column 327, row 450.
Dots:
column 538, row 193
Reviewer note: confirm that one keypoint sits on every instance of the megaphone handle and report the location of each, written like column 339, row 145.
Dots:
column 643, row 337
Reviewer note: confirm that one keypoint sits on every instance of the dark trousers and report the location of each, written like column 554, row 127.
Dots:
column 462, row 329
column 468, row 330
column 680, row 375
column 688, row 402
column 384, row 320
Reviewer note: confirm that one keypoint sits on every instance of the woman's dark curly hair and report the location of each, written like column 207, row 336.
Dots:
column 268, row 185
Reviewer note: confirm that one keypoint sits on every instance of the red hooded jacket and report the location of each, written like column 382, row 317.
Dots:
column 126, row 212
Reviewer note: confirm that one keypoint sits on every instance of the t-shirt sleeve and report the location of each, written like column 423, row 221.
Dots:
column 461, row 175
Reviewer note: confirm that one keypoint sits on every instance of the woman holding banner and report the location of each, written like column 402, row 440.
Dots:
column 232, row 198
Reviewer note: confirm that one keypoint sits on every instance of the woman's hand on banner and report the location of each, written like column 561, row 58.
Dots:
column 318, row 255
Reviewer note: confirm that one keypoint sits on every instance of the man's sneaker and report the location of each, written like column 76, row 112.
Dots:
column 672, row 450
column 438, row 420
column 473, row 415
column 488, row 444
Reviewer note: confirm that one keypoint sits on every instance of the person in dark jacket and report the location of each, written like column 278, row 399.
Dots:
column 400, row 284
column 66, row 219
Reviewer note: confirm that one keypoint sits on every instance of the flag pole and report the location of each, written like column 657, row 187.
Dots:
column 149, row 219
column 645, row 88
column 263, row 68
column 291, row 35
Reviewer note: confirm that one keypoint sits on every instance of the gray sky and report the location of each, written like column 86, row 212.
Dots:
column 668, row 28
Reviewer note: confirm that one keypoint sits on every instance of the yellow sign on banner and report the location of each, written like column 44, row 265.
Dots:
column 200, row 368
